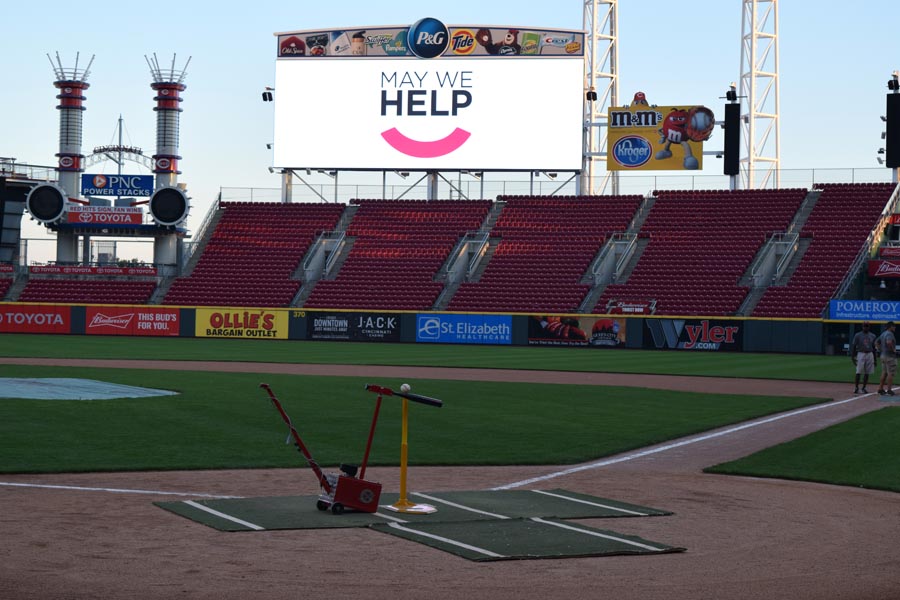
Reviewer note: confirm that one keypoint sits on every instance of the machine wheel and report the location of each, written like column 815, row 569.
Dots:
column 337, row 508
column 322, row 505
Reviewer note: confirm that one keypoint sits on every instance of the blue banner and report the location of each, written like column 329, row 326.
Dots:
column 117, row 185
column 464, row 329
column 864, row 310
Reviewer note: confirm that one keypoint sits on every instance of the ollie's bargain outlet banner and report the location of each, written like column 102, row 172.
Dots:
column 430, row 97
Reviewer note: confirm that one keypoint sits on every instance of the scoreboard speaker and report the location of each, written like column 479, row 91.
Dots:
column 892, row 135
column 46, row 203
column 732, row 150
column 169, row 206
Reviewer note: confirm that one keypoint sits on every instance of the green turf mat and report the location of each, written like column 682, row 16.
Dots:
column 522, row 538
column 300, row 512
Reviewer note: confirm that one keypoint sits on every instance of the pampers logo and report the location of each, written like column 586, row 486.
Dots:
column 428, row 38
column 632, row 151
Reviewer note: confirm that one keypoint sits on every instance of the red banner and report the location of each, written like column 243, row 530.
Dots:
column 133, row 320
column 895, row 219
column 105, row 215
column 884, row 269
column 626, row 307
column 77, row 270
column 6, row 268
column 27, row 318
column 890, row 252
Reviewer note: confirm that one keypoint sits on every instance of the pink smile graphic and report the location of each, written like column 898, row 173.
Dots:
column 412, row 147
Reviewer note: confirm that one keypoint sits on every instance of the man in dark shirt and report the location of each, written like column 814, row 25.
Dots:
column 862, row 353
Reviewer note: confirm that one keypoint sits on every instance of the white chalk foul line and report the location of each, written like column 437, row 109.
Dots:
column 446, row 540
column 686, row 442
column 112, row 490
column 460, row 506
column 598, row 534
column 225, row 516
column 597, row 504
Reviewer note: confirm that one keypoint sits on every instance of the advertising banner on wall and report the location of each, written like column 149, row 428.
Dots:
column 693, row 334
column 430, row 97
column 87, row 270
column 654, row 138
column 464, row 329
column 353, row 326
column 237, row 323
column 105, row 215
column 864, row 310
column 27, row 318
column 131, row 320
column 116, row 185
column 549, row 330
column 884, row 269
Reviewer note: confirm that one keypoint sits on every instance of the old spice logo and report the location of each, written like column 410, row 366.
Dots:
column 887, row 268
column 118, row 321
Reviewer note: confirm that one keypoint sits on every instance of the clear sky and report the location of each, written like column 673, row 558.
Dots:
column 835, row 59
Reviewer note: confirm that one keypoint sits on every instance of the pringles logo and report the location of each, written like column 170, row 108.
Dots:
column 428, row 38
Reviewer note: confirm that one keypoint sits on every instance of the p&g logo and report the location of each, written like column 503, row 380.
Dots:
column 428, row 38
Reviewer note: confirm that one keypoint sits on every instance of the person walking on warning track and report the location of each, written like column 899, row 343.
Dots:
column 887, row 344
column 862, row 353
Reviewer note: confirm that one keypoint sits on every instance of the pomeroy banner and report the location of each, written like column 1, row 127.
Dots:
column 236, row 323
column 644, row 137
column 693, row 334
column 27, row 318
column 354, row 326
column 549, row 330
column 864, row 310
column 133, row 320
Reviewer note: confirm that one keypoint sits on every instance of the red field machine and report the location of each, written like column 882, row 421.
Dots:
column 344, row 490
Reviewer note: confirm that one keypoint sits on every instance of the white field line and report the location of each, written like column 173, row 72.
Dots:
column 460, row 506
column 685, row 442
column 113, row 490
column 597, row 534
column 597, row 504
column 446, row 540
column 224, row 516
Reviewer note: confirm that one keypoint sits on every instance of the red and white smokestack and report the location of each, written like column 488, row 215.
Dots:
column 168, row 85
column 71, row 84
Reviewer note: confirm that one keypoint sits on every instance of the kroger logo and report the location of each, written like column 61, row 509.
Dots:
column 428, row 38
column 632, row 151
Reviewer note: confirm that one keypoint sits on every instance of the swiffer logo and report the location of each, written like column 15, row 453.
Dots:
column 428, row 38
column 632, row 151
column 426, row 93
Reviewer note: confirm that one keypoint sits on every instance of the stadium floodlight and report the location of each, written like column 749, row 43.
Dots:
column 881, row 151
column 403, row 174
column 882, row 285
column 271, row 170
column 883, row 118
column 267, row 94
column 731, row 94
column 591, row 95
column 880, row 160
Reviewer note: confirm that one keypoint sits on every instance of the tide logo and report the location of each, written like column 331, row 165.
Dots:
column 462, row 42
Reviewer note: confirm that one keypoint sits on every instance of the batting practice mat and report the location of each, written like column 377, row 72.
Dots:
column 478, row 525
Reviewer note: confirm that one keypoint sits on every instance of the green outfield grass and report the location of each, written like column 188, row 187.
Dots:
column 803, row 367
column 861, row 452
column 223, row 420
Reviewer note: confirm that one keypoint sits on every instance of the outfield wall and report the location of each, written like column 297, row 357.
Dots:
column 719, row 334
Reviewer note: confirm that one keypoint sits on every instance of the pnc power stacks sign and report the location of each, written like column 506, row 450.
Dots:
column 646, row 137
column 429, row 97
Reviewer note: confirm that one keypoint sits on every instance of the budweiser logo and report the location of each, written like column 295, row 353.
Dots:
column 118, row 321
column 887, row 268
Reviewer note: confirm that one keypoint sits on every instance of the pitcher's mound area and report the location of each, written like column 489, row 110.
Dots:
column 61, row 388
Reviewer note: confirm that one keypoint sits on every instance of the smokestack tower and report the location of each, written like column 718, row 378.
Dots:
column 71, row 84
column 168, row 84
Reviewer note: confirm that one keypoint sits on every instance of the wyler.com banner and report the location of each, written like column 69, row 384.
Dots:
column 445, row 98
column 235, row 323
column 657, row 138
column 354, row 326
column 132, row 320
column 464, row 329
column 27, row 318
column 693, row 334
column 549, row 330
